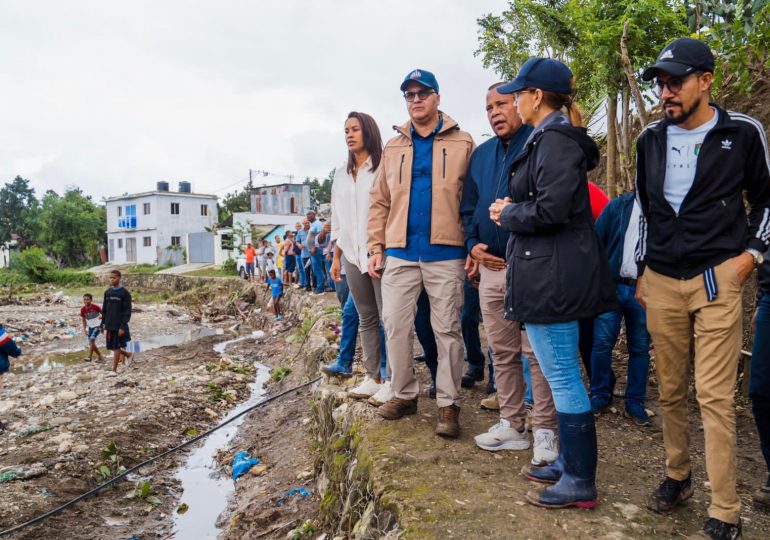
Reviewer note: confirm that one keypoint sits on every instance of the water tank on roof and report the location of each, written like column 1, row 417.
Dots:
column 162, row 186
column 185, row 187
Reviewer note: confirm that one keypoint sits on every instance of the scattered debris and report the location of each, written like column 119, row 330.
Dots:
column 242, row 463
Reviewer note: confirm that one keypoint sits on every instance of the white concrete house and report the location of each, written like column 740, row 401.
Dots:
column 153, row 227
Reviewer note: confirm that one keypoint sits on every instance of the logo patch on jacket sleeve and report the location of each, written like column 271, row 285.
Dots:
column 727, row 144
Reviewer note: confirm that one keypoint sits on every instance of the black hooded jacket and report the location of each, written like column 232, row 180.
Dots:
column 557, row 268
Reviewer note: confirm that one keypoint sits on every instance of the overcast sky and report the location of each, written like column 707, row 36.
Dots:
column 114, row 96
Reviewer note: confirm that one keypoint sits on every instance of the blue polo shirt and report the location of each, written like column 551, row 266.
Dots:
column 418, row 246
column 301, row 237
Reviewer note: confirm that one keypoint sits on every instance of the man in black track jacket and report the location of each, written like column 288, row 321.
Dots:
column 697, row 247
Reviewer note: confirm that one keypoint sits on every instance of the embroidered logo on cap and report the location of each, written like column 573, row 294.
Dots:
column 415, row 74
column 668, row 53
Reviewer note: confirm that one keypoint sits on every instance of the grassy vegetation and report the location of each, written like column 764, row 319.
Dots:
column 212, row 272
column 145, row 269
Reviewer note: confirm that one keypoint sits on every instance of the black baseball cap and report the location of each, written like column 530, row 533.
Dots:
column 682, row 57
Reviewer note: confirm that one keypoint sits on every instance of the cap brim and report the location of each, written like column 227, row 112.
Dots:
column 410, row 81
column 672, row 68
column 509, row 88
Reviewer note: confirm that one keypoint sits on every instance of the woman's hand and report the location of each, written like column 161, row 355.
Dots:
column 496, row 210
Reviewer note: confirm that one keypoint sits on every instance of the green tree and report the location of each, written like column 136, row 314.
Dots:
column 18, row 209
column 72, row 227
column 237, row 201
column 321, row 191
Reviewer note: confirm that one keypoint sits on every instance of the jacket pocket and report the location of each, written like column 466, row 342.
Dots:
column 534, row 277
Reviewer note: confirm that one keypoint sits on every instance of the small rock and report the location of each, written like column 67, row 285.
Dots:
column 65, row 447
column 60, row 421
column 257, row 470
column 66, row 395
column 210, row 413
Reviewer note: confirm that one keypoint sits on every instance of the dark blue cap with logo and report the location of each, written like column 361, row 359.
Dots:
column 544, row 73
column 682, row 57
column 420, row 76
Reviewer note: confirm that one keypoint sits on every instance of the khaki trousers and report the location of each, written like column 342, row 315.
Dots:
column 675, row 309
column 508, row 342
column 402, row 283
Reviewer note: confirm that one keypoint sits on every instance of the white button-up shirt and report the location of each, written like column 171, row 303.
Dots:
column 350, row 212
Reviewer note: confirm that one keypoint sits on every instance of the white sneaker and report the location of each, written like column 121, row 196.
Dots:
column 110, row 374
column 546, row 449
column 502, row 436
column 383, row 395
column 365, row 390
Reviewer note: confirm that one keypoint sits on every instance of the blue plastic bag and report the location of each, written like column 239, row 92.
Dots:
column 242, row 463
column 302, row 492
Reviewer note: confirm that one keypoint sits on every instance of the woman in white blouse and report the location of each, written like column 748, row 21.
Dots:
column 350, row 211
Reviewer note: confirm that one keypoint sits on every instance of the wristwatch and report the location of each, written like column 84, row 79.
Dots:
column 758, row 257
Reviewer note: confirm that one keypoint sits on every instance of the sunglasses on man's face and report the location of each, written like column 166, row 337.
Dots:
column 422, row 94
column 674, row 84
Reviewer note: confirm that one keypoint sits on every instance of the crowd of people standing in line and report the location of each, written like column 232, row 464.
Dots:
column 433, row 234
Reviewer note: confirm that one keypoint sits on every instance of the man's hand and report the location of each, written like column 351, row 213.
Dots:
column 336, row 270
column 375, row 266
column 496, row 209
column 480, row 255
column 471, row 267
column 121, row 332
column 744, row 265
column 637, row 294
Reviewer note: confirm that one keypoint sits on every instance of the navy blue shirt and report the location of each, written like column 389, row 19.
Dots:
column 418, row 246
column 487, row 180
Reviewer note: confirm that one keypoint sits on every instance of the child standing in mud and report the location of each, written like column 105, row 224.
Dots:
column 116, row 312
column 8, row 348
column 91, row 315
column 275, row 284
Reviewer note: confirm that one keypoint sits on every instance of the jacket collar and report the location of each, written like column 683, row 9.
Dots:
column 449, row 124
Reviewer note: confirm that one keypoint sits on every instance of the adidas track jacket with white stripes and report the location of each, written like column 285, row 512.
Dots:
column 712, row 225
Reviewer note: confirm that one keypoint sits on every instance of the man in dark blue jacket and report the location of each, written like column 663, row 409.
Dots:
column 618, row 229
column 486, row 182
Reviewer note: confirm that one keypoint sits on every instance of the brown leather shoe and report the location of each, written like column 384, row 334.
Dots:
column 397, row 407
column 448, row 422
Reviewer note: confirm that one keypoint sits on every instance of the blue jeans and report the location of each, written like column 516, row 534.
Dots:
column 470, row 318
column 424, row 331
column 556, row 348
column 606, row 332
column 342, row 291
column 303, row 277
column 317, row 262
column 328, row 265
column 527, row 379
column 759, row 385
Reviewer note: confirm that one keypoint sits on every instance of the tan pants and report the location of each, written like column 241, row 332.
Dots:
column 402, row 284
column 508, row 342
column 675, row 309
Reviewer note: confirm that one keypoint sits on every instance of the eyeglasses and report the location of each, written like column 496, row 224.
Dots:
column 422, row 94
column 517, row 95
column 674, row 84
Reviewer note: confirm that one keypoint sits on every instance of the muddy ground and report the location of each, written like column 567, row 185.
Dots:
column 58, row 421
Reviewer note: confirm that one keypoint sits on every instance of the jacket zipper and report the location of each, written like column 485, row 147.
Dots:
column 443, row 170
column 400, row 167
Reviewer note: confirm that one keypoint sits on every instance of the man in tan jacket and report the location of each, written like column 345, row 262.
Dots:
column 415, row 241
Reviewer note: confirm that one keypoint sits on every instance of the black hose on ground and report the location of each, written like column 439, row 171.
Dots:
column 122, row 475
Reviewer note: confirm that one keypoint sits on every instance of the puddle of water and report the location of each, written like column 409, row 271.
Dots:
column 204, row 488
column 63, row 358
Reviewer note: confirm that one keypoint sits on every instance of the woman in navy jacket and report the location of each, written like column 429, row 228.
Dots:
column 557, row 268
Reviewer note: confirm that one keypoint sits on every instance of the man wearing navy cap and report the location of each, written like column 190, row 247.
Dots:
column 696, row 250
column 416, row 235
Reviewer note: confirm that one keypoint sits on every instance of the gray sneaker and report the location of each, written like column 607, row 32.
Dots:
column 502, row 436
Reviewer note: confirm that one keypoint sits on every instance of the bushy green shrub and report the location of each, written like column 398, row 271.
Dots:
column 230, row 267
column 71, row 277
column 33, row 264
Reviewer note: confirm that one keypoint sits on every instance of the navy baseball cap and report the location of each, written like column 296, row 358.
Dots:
column 544, row 73
column 682, row 57
column 421, row 76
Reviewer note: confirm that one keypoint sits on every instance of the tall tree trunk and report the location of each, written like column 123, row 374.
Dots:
column 625, row 137
column 629, row 71
column 612, row 144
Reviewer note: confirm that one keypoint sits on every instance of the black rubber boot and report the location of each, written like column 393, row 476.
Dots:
column 578, row 457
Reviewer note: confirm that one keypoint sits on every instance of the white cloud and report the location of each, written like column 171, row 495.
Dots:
column 115, row 96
